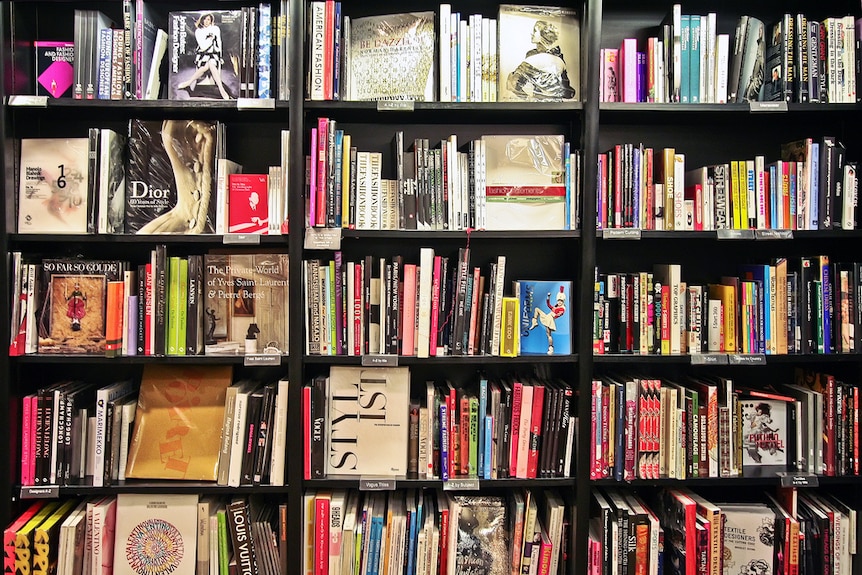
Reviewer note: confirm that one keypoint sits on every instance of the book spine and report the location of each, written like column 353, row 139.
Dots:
column 239, row 525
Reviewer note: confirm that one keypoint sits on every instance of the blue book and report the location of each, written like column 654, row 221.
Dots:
column 685, row 59
column 545, row 326
column 264, row 46
column 374, row 541
column 636, row 186
column 483, row 411
column 106, row 40
column 489, row 433
column 336, row 52
column 444, row 443
column 773, row 196
column 568, row 164
column 411, row 538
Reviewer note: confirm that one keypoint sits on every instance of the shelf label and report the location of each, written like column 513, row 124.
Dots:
column 248, row 239
column 773, row 234
column 43, row 492
column 32, row 101
column 395, row 105
column 709, row 359
column 461, row 485
column 746, row 359
column 735, row 234
column 621, row 234
column 789, row 479
column 767, row 106
column 376, row 484
column 255, row 104
column 258, row 359
column 322, row 239
column 379, row 360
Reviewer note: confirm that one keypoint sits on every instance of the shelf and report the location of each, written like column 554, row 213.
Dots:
column 471, row 107
column 460, row 112
column 144, row 486
column 24, row 102
column 712, row 359
column 623, row 234
column 149, row 239
column 447, row 359
column 461, row 234
column 403, row 483
column 725, row 109
column 136, row 359
column 772, row 481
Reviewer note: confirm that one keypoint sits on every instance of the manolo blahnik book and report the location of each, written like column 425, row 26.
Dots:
column 171, row 177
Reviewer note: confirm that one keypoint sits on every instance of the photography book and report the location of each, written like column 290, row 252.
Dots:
column 205, row 54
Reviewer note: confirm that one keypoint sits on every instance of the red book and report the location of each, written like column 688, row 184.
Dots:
column 248, row 207
column 114, row 318
column 689, row 508
column 435, row 306
column 306, row 432
column 517, row 391
column 535, row 430
column 595, row 392
column 443, row 521
column 408, row 321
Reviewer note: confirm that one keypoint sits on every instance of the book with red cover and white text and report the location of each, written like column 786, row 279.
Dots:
column 248, row 204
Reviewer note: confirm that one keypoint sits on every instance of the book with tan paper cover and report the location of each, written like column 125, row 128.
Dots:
column 178, row 422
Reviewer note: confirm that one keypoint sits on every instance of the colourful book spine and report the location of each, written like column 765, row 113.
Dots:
column 444, row 442
column 182, row 307
column 114, row 319
column 473, row 456
column 173, row 303
column 312, row 185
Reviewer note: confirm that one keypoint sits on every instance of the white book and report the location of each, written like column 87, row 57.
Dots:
column 72, row 533
column 206, row 507
column 850, row 197
column 426, row 269
column 103, row 396
column 214, row 540
column 127, row 420
column 316, row 42
column 153, row 81
column 279, row 438
column 722, row 61
column 463, row 43
column 224, row 168
column 444, row 46
column 708, row 42
column 30, row 337
column 494, row 62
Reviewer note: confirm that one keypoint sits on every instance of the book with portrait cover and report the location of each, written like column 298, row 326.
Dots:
column 205, row 54
column 545, row 323
column 248, row 204
column 367, row 408
column 525, row 182
column 245, row 303
column 391, row 57
column 482, row 536
column 53, row 194
column 55, row 68
column 170, row 181
column 178, row 422
column 73, row 304
column 156, row 534
column 539, row 53
column 765, row 436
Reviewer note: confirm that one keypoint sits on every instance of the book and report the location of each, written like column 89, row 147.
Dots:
column 247, row 204
column 245, row 304
column 155, row 534
column 73, row 304
column 765, row 435
column 53, row 194
column 112, row 182
column 55, row 68
column 392, row 57
column 178, row 422
column 545, row 325
column 749, row 531
column 524, row 182
column 481, row 535
column 539, row 53
column 367, row 408
column 171, row 177
column 204, row 54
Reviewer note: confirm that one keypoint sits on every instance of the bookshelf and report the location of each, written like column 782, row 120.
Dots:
column 707, row 133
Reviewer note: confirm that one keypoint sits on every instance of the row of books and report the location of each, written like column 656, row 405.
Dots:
column 792, row 59
column 487, row 183
column 421, row 532
column 710, row 426
column 214, row 304
column 676, row 530
column 116, row 535
column 386, row 306
column 806, row 305
column 74, row 432
column 812, row 186
column 516, row 426
column 161, row 177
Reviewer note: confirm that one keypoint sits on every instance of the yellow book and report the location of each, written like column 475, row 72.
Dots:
column 736, row 198
column 509, row 339
column 25, row 536
column 668, row 155
column 726, row 295
column 46, row 536
column 345, row 180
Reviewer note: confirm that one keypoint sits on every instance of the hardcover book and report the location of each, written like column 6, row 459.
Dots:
column 112, row 182
column 545, row 321
column 368, row 408
column 55, row 68
column 539, row 53
column 753, row 60
column 248, row 204
column 73, row 304
column 171, row 177
column 155, row 534
column 245, row 304
column 205, row 54
column 748, row 538
column 764, row 435
column 52, row 186
column 525, row 182
column 392, row 57
column 178, row 422
column 482, row 536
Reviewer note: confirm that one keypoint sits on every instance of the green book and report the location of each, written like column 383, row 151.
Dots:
column 222, row 542
column 173, row 304
column 182, row 305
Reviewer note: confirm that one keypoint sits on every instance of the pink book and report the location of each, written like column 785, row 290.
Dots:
column 610, row 87
column 312, row 186
column 474, row 312
column 628, row 75
column 517, row 393
column 357, row 309
column 27, row 427
column 322, row 169
column 409, row 310
column 148, row 311
column 435, row 306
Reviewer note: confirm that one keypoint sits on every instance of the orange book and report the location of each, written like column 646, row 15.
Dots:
column 114, row 318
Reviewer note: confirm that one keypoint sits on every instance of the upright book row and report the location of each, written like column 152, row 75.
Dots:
column 205, row 535
column 812, row 186
column 512, row 427
column 806, row 306
column 709, row 426
column 789, row 59
column 428, row 532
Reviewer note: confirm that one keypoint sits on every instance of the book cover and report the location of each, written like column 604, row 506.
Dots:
column 545, row 324
column 749, row 538
column 178, row 422
column 204, row 54
column 752, row 69
column 539, row 53
column 248, row 203
column 155, row 534
column 245, row 304
column 171, row 177
column 73, row 305
column 112, row 182
column 55, row 68
column 482, row 536
column 525, row 187
column 52, row 186
column 368, row 408
column 764, row 435
column 391, row 57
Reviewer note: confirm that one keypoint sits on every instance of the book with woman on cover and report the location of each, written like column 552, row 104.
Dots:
column 73, row 304
column 205, row 54
column 539, row 53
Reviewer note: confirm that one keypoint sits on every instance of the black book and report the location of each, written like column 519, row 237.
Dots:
column 351, row 201
column 318, row 422
column 255, row 405
column 505, row 440
column 827, row 181
column 140, row 341
column 566, row 421
column 460, row 298
column 401, row 183
column 239, row 526
column 393, row 312
column 194, row 317
column 263, row 447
